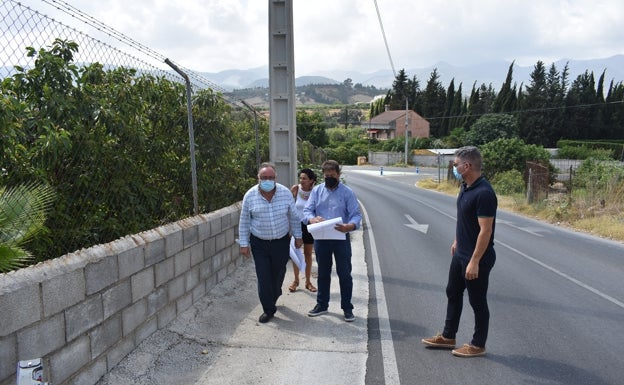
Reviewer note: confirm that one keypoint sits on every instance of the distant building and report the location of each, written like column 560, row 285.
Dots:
column 391, row 124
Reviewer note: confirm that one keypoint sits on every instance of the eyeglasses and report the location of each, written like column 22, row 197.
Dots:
column 267, row 178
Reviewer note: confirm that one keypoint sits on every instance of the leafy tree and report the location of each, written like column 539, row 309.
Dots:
column 312, row 127
column 506, row 99
column 433, row 102
column 503, row 155
column 490, row 127
column 399, row 91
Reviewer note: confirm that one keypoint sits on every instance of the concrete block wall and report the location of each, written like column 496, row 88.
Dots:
column 85, row 311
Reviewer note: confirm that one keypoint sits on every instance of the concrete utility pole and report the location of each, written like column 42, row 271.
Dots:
column 282, row 122
column 406, row 126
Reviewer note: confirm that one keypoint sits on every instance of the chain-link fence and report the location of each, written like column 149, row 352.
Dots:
column 106, row 127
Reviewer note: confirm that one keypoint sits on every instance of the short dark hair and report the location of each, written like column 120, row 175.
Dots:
column 471, row 155
column 330, row 165
column 309, row 172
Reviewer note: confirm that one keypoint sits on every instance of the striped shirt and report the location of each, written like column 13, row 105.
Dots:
column 268, row 220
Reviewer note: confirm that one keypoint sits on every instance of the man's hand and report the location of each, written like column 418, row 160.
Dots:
column 344, row 227
column 316, row 220
column 245, row 251
column 472, row 270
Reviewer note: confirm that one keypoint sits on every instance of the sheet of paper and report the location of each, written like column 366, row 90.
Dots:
column 326, row 230
column 297, row 255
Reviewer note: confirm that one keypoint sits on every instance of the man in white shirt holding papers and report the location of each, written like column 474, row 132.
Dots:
column 332, row 201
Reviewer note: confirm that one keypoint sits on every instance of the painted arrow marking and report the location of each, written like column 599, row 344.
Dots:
column 415, row 225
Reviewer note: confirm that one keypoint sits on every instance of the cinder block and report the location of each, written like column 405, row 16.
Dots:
column 42, row 338
column 164, row 272
column 142, row 283
column 199, row 292
column 63, row 291
column 215, row 225
column 67, row 361
column 133, row 317
column 105, row 335
column 154, row 247
column 190, row 235
column 184, row 302
column 101, row 274
column 176, row 288
column 174, row 242
column 83, row 316
column 119, row 351
column 131, row 261
column 205, row 269
column 116, row 298
column 182, row 262
column 145, row 330
column 90, row 374
column 156, row 301
column 8, row 356
column 210, row 246
column 203, row 230
column 192, row 279
column 221, row 241
column 166, row 315
column 197, row 253
column 19, row 308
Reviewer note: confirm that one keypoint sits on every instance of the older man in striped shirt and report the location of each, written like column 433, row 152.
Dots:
column 268, row 219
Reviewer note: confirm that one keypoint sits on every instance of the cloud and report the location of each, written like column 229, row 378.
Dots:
column 215, row 35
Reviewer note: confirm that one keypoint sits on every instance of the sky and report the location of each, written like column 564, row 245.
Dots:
column 216, row 35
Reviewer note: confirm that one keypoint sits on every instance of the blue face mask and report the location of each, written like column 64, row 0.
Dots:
column 267, row 185
column 458, row 176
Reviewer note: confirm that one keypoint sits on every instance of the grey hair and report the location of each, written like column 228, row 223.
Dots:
column 471, row 155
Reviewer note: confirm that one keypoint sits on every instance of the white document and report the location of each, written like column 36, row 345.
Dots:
column 296, row 255
column 326, row 230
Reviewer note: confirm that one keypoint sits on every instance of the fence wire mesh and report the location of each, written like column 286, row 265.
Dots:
column 106, row 127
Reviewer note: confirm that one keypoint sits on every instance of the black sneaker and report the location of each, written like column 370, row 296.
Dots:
column 349, row 317
column 264, row 318
column 318, row 310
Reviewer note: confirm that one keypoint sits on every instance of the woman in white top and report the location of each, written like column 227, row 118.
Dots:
column 301, row 192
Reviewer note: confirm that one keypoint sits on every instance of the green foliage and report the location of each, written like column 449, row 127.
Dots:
column 115, row 146
column 508, row 182
column 490, row 127
column 510, row 154
column 582, row 153
column 312, row 127
column 599, row 175
column 583, row 149
column 23, row 211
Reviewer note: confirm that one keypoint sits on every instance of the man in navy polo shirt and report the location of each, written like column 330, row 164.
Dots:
column 472, row 253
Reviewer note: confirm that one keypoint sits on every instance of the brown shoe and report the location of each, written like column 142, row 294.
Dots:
column 469, row 351
column 438, row 341
column 293, row 286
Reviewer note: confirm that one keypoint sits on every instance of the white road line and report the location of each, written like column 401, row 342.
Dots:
column 564, row 275
column 391, row 370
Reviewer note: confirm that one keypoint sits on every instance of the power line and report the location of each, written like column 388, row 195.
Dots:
column 383, row 33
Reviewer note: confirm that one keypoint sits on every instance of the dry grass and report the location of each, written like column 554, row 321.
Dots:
column 599, row 217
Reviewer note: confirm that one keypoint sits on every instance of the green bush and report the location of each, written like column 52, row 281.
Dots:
column 508, row 182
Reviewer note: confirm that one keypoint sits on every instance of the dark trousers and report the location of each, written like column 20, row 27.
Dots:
column 270, row 258
column 477, row 296
column 341, row 251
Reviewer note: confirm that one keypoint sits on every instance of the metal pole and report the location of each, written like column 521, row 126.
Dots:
column 406, row 124
column 256, row 132
column 189, row 107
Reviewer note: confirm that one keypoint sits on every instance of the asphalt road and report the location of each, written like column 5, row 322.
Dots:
column 556, row 297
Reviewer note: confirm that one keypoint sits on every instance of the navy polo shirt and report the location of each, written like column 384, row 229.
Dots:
column 474, row 201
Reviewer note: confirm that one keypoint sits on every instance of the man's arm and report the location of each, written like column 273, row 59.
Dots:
column 483, row 240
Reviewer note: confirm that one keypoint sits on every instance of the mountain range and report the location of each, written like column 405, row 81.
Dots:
column 493, row 73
